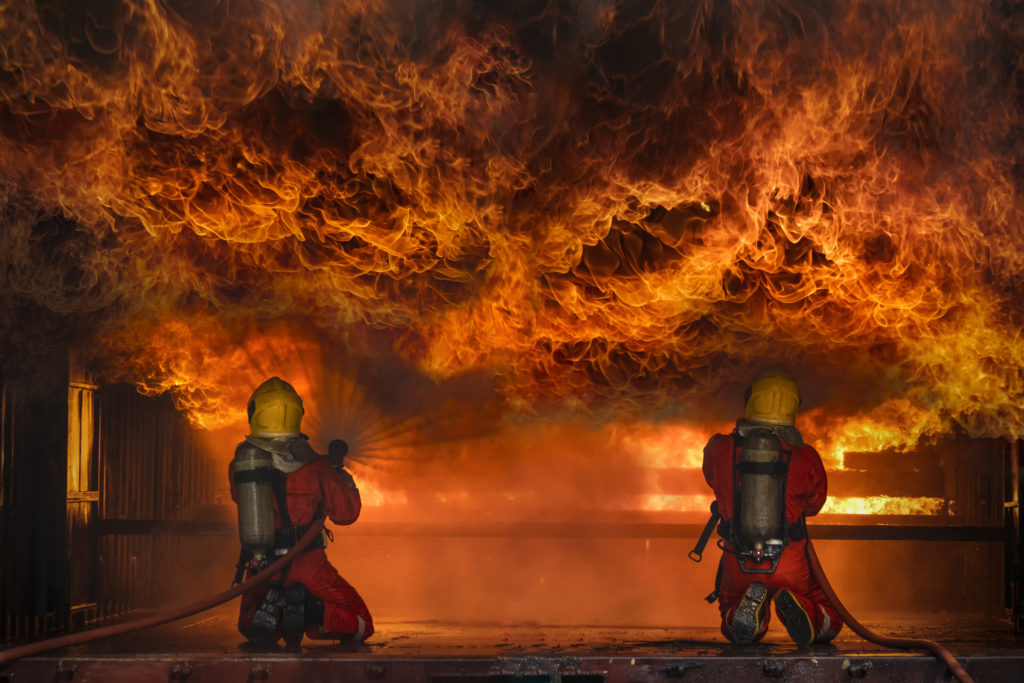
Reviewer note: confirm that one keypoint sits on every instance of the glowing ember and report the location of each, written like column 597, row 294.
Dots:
column 610, row 211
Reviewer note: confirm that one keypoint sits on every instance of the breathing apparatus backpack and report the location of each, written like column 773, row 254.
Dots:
column 255, row 479
column 758, row 530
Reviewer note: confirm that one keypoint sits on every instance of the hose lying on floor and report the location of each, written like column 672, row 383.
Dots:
column 14, row 654
column 900, row 643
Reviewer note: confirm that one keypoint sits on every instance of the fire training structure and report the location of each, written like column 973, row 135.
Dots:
column 523, row 257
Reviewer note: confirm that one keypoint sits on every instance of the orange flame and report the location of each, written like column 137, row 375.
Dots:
column 614, row 212
column 883, row 505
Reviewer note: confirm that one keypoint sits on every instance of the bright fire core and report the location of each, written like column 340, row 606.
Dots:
column 447, row 226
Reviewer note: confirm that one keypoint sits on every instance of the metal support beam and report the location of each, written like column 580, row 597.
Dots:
column 846, row 532
column 1014, row 533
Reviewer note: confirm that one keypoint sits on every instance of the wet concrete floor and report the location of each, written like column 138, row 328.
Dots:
column 207, row 647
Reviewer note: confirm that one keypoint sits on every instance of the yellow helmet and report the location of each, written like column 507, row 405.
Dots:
column 772, row 399
column 275, row 410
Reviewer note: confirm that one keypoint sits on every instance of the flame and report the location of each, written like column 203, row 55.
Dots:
column 210, row 373
column 662, row 502
column 679, row 446
column 614, row 212
column 897, row 424
column 883, row 505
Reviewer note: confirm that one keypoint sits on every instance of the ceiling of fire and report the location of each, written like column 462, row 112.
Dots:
column 608, row 209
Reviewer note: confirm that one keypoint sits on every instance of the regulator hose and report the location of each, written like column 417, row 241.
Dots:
column 899, row 643
column 16, row 653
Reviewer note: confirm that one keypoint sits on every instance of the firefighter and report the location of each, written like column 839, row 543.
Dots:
column 767, row 481
column 280, row 484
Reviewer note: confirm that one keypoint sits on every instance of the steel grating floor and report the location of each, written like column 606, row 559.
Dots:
column 207, row 648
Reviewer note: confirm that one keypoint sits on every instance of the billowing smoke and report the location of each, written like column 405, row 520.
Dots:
column 615, row 209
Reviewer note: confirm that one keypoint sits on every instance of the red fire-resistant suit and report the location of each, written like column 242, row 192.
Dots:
column 806, row 491
column 314, row 486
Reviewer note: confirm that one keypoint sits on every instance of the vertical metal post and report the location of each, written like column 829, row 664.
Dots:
column 1012, row 486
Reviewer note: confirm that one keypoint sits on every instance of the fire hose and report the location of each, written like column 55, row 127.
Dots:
column 936, row 649
column 16, row 653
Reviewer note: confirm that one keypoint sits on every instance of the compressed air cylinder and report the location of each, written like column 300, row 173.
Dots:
column 761, row 483
column 255, row 495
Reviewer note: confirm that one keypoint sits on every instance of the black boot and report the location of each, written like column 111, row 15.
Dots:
column 749, row 615
column 314, row 612
column 793, row 616
column 267, row 617
column 293, row 624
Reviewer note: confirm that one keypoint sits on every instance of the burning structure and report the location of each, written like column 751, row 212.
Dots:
column 524, row 257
